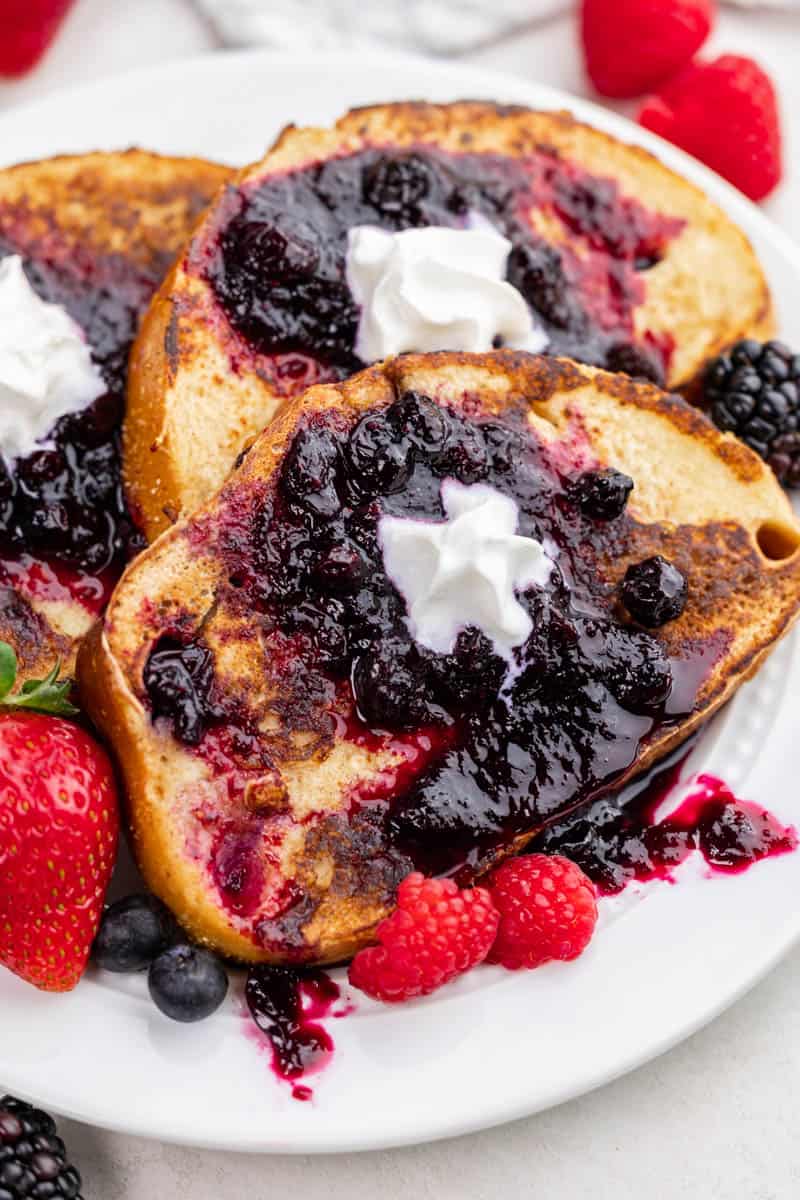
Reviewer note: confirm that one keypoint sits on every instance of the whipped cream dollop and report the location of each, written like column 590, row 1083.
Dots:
column 46, row 368
column 465, row 570
column 436, row 289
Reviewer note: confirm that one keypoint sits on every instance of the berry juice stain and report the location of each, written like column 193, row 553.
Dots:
column 287, row 1006
column 622, row 838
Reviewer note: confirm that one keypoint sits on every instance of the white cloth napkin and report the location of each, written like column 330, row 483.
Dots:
column 438, row 26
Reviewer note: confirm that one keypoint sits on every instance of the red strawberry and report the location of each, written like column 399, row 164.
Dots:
column 726, row 114
column 27, row 27
column 632, row 46
column 59, row 826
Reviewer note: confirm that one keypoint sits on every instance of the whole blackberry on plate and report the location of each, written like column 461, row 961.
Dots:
column 33, row 1160
column 754, row 392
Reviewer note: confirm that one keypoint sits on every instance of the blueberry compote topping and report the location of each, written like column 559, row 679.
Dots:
column 510, row 747
column 64, row 503
column 618, row 838
column 287, row 1006
column 279, row 266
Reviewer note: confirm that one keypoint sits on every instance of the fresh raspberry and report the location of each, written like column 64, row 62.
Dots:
column 633, row 46
column 726, row 114
column 436, row 933
column 547, row 910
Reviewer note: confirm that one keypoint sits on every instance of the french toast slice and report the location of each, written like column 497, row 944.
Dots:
column 97, row 233
column 624, row 265
column 276, row 814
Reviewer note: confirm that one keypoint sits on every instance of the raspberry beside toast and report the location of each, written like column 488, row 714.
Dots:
column 97, row 233
column 275, row 813
column 623, row 263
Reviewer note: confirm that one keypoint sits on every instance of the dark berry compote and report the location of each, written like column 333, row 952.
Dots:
column 476, row 750
column 642, row 833
column 278, row 263
column 64, row 525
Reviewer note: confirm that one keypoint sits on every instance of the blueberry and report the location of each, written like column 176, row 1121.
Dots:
column 378, row 455
column 178, row 679
column 602, row 495
column 505, row 445
column 187, row 983
column 309, row 473
column 271, row 254
column 132, row 932
column 638, row 673
column 654, row 591
column 421, row 421
column 341, row 568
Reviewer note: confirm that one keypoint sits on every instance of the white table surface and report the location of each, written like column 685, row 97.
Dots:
column 716, row 1118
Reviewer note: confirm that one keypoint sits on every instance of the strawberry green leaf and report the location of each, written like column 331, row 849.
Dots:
column 48, row 695
column 8, row 668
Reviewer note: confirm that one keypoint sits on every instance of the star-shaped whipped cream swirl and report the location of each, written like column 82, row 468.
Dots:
column 465, row 570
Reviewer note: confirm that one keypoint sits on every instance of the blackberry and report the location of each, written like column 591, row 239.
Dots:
column 535, row 269
column 754, row 392
column 389, row 689
column 602, row 495
column 472, row 675
column 33, row 1160
column 636, row 361
column 654, row 591
column 395, row 186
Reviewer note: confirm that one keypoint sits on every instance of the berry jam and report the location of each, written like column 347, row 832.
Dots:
column 278, row 268
column 287, row 1007
column 619, row 838
column 64, row 504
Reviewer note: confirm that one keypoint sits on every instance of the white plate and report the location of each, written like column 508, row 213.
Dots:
column 497, row 1045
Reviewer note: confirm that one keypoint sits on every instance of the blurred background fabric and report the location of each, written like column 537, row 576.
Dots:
column 437, row 26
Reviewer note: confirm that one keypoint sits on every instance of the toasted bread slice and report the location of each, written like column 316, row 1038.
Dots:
column 97, row 233
column 635, row 270
column 282, row 830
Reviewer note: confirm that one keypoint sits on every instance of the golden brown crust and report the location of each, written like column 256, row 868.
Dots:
column 706, row 293
column 700, row 498
column 128, row 213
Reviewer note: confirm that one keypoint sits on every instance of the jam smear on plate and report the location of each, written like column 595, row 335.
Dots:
column 620, row 838
column 287, row 1006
